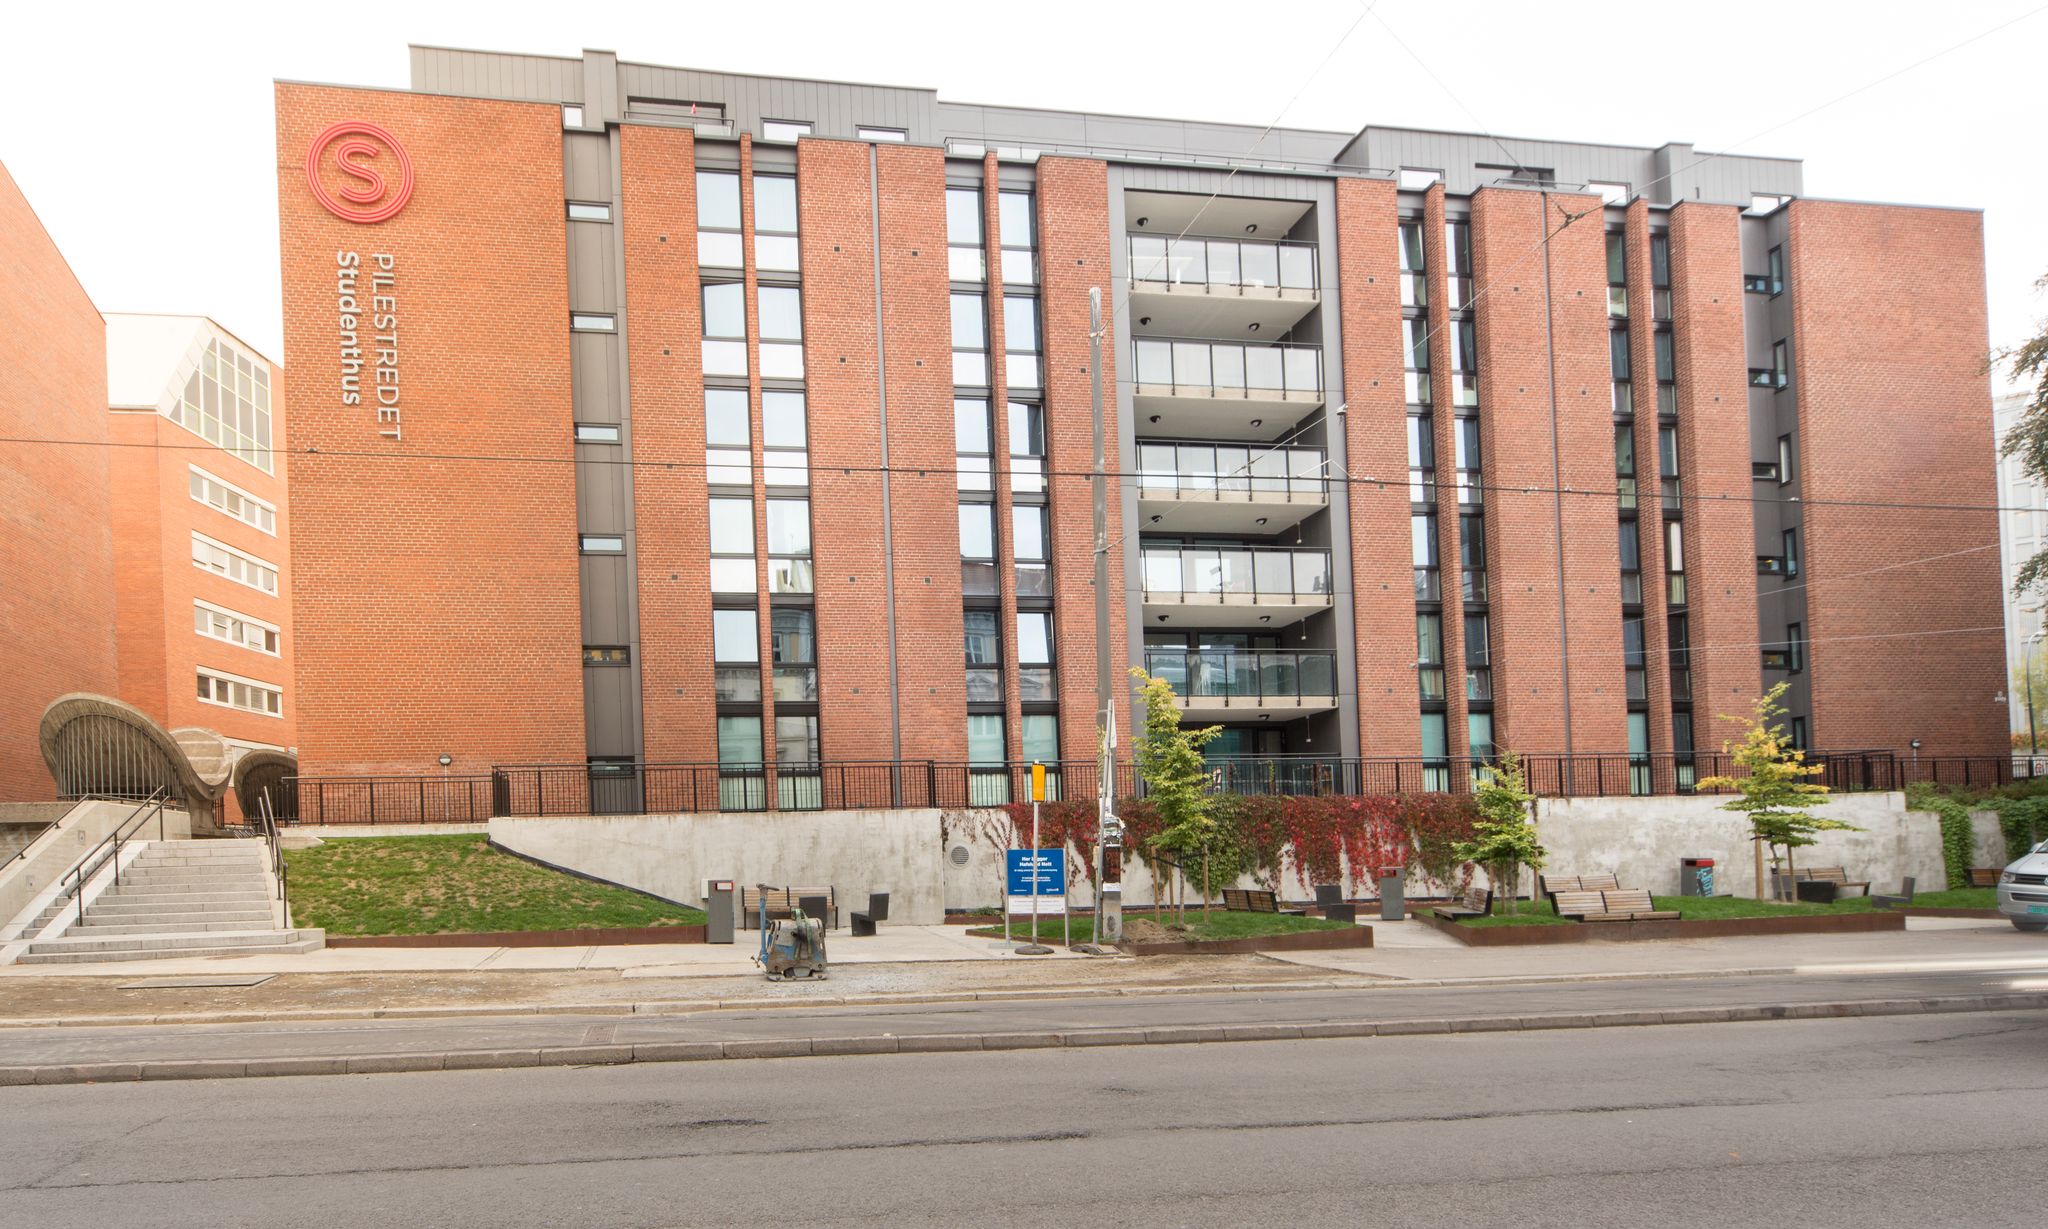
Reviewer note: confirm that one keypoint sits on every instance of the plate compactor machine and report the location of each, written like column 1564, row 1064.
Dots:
column 791, row 947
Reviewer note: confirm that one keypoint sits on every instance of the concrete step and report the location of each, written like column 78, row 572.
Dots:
column 166, row 942
column 174, row 903
column 93, row 929
column 313, row 943
column 148, row 873
column 172, row 914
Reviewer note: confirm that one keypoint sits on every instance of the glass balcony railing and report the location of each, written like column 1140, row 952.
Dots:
column 1223, row 264
column 1226, row 473
column 1254, row 676
column 1228, row 369
column 1235, row 574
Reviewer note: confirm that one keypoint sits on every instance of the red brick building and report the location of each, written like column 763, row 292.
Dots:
column 56, row 556
column 654, row 415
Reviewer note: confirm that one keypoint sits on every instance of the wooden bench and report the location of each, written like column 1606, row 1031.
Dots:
column 1984, row 876
column 1618, row 905
column 782, row 903
column 1250, row 900
column 1834, row 877
column 1476, row 902
column 1553, row 884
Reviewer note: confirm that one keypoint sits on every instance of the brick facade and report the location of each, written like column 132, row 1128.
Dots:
column 437, row 596
column 56, row 544
column 1888, row 347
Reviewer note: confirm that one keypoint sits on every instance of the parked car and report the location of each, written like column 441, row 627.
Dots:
column 2023, row 890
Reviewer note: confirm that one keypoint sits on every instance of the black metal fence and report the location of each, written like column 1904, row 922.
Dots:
column 657, row 788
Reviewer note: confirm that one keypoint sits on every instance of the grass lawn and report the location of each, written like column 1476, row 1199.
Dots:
column 1957, row 898
column 1694, row 908
column 419, row 885
column 1221, row 925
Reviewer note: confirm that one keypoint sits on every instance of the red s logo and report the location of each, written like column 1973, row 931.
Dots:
column 365, row 194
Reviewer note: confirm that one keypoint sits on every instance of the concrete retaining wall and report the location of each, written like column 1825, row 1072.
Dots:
column 50, row 855
column 671, row 856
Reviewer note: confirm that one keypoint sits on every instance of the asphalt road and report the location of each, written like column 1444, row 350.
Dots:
column 1903, row 1121
column 1385, row 1002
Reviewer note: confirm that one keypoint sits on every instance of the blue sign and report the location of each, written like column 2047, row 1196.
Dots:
column 1049, row 866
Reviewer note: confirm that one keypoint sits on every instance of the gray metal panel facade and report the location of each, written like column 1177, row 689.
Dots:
column 593, row 376
column 593, row 275
column 496, row 74
column 605, row 614
column 1675, row 172
column 586, row 166
column 611, row 709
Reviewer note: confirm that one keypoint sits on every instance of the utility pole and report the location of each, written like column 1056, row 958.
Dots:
column 1109, row 887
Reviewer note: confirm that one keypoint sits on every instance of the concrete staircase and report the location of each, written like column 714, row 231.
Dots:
column 178, row 899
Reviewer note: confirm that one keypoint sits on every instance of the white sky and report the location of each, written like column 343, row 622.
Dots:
column 145, row 140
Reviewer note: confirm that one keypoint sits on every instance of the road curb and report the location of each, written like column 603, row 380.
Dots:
column 808, row 1047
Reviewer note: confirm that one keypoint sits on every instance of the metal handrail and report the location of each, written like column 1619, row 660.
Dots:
column 1245, row 579
column 1246, row 674
column 82, row 873
column 1169, row 261
column 1193, row 363
column 1233, row 472
column 276, row 843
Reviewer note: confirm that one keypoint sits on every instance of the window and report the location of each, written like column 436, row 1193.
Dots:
column 606, row 655
column 572, row 116
column 1618, row 364
column 736, row 656
column 1465, row 459
column 718, row 220
column 793, row 648
column 1775, row 279
column 775, row 225
column 1416, row 179
column 1631, row 564
column 1027, row 448
column 589, row 211
column 223, row 560
column 796, row 740
column 965, row 261
column 725, row 329
column 782, row 333
column 1762, row 470
column 985, row 738
column 1777, row 659
column 1667, row 468
column 732, row 545
column 1478, row 663
column 866, row 133
column 984, row 656
column 978, row 550
column 1780, row 373
column 1761, row 203
column 1415, row 334
column 234, row 691
column 971, row 444
column 233, row 500
column 1472, row 552
column 1033, row 550
column 1422, row 532
column 1784, row 460
column 970, row 341
column 1414, row 266
column 1020, row 340
column 1479, row 735
column 1667, row 375
column 1458, row 263
column 786, row 458
column 1042, row 741
column 728, row 438
column 602, row 544
column 227, row 403
column 1625, row 465
column 739, row 742
column 1617, row 275
column 1034, row 656
column 1660, row 277
column 220, row 623
column 784, row 129
column 1016, row 223
column 1421, row 460
column 1681, row 661
column 1799, row 733
column 1791, row 541
column 596, row 433
column 1464, row 362
column 1674, row 561
column 590, row 323
column 1429, row 656
column 1632, row 655
column 789, row 546
column 1609, row 193
column 1681, row 740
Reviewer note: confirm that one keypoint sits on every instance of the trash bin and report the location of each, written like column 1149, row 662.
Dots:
column 1695, row 876
column 1393, row 898
column 720, row 905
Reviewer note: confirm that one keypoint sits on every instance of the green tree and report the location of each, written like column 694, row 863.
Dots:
column 1176, row 781
column 1774, row 793
column 2037, row 659
column 1504, row 837
column 2028, row 438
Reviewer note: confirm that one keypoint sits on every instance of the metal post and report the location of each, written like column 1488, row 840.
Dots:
column 1109, row 888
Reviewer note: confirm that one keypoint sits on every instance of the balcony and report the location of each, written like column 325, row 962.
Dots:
column 1231, row 586
column 1223, row 390
column 1210, row 488
column 1233, row 685
column 1221, row 287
